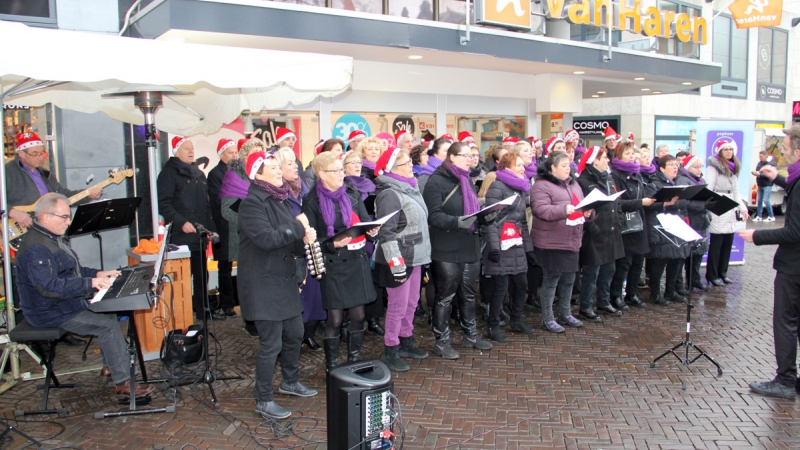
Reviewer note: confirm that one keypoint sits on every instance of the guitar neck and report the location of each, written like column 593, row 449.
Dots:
column 85, row 193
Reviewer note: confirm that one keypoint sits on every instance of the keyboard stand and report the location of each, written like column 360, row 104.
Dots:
column 135, row 353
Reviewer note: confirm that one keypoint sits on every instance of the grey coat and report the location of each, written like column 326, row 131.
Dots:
column 406, row 234
column 22, row 191
column 512, row 260
column 723, row 182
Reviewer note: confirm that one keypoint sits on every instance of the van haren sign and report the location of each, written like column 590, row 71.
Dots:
column 630, row 16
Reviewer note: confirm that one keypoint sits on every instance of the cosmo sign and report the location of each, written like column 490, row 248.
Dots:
column 628, row 15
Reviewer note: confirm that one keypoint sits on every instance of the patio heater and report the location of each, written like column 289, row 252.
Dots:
column 149, row 98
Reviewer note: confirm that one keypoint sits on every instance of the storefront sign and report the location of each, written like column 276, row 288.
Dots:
column 593, row 126
column 650, row 22
column 403, row 122
column 556, row 123
column 796, row 112
column 514, row 14
column 756, row 13
column 15, row 107
column 348, row 123
column 770, row 93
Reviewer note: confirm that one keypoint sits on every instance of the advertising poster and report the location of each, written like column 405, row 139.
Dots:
column 709, row 133
column 347, row 124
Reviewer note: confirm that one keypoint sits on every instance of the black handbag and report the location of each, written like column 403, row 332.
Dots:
column 178, row 348
column 633, row 222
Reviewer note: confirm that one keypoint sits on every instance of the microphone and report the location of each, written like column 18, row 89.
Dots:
column 201, row 229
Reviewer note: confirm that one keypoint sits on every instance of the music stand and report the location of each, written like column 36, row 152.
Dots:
column 102, row 216
column 687, row 341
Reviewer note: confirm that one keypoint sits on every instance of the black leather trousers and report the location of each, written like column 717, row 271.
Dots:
column 454, row 280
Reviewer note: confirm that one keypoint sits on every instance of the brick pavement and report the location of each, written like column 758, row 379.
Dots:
column 590, row 388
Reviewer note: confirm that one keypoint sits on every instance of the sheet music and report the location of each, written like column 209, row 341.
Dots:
column 676, row 226
column 102, row 292
column 497, row 206
column 597, row 196
column 377, row 222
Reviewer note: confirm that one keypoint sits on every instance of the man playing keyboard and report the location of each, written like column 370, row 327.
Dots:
column 53, row 288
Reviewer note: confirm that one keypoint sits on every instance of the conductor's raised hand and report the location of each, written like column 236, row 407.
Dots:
column 769, row 171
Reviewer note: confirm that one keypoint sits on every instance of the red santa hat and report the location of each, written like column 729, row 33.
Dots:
column 399, row 135
column 355, row 134
column 465, row 137
column 386, row 160
column 725, row 143
column 177, row 141
column 27, row 140
column 509, row 140
column 609, row 134
column 588, row 157
column 571, row 134
column 536, row 141
column 689, row 160
column 577, row 217
column 224, row 144
column 318, row 147
column 551, row 143
column 240, row 144
column 283, row 133
column 447, row 137
column 254, row 163
column 630, row 138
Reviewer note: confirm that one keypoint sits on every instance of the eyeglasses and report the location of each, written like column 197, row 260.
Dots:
column 465, row 155
column 673, row 165
column 335, row 171
column 62, row 217
column 407, row 163
column 35, row 155
column 356, row 163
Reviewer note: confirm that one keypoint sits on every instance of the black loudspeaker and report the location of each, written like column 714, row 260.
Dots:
column 359, row 406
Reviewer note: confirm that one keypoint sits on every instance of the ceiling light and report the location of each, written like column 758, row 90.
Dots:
column 656, row 92
column 578, row 72
column 638, row 79
column 595, row 96
column 645, row 89
column 414, row 56
column 687, row 83
column 601, row 92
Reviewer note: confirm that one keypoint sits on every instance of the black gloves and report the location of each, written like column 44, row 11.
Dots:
column 494, row 256
column 531, row 258
column 466, row 222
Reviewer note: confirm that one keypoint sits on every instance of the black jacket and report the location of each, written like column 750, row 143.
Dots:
column 448, row 242
column 182, row 198
column 699, row 217
column 215, row 177
column 21, row 189
column 660, row 246
column 512, row 260
column 270, row 238
column 631, row 200
column 347, row 281
column 602, row 239
column 763, row 180
column 787, row 258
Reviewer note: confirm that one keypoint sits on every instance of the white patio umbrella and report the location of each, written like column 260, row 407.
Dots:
column 72, row 70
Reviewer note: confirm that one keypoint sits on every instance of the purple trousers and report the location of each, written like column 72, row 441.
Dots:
column 400, row 310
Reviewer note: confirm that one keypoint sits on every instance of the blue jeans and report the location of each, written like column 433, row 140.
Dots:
column 599, row 277
column 764, row 197
column 562, row 281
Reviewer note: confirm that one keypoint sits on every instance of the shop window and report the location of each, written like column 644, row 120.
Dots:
column 22, row 119
column 413, row 9
column 772, row 53
column 673, row 46
column 384, row 125
column 304, row 2
column 674, row 132
column 452, row 11
column 34, row 12
column 367, row 6
column 488, row 131
column 593, row 34
column 730, row 48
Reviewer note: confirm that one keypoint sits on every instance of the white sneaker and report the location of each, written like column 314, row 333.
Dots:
column 756, row 219
column 769, row 219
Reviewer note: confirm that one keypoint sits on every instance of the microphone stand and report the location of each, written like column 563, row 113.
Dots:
column 687, row 343
column 208, row 377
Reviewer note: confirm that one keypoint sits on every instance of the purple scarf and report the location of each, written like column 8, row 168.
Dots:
column 362, row 184
column 513, row 181
column 697, row 181
column 411, row 181
column 794, row 172
column 278, row 193
column 326, row 199
column 424, row 170
column 630, row 167
column 471, row 205
column 233, row 185
column 530, row 171
column 732, row 166
column 367, row 164
column 294, row 186
column 651, row 169
column 434, row 162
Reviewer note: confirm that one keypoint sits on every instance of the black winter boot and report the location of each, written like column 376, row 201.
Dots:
column 392, row 359
column 331, row 346
column 354, row 346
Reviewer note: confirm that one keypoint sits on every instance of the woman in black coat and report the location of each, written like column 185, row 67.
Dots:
column 602, row 241
column 450, row 196
column 271, row 237
column 508, row 245
column 627, row 177
column 663, row 253
column 691, row 174
column 332, row 207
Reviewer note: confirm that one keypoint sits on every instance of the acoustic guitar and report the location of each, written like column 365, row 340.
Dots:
column 16, row 232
